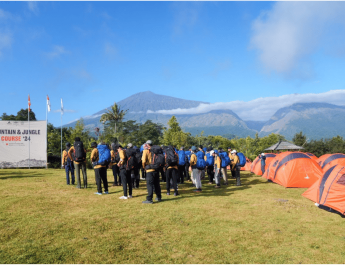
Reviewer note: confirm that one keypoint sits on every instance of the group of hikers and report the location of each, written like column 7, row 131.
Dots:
column 153, row 161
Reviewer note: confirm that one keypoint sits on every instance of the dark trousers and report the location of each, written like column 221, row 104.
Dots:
column 161, row 171
column 81, row 166
column 101, row 176
column 263, row 169
column 135, row 178
column 186, row 167
column 126, row 179
column 116, row 173
column 69, row 168
column 171, row 173
column 210, row 173
column 143, row 173
column 152, row 183
column 181, row 174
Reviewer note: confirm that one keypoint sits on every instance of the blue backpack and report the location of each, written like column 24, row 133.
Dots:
column 225, row 159
column 141, row 148
column 209, row 160
column 242, row 159
column 200, row 162
column 104, row 155
column 181, row 158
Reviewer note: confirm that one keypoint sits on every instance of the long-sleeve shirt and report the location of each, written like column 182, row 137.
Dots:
column 193, row 160
column 217, row 162
column 146, row 159
column 235, row 161
column 64, row 157
column 94, row 157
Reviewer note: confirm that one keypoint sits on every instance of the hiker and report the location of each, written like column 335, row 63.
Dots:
column 231, row 156
column 142, row 149
column 195, row 157
column 262, row 157
column 171, row 165
column 235, row 167
column 161, row 169
column 201, row 149
column 225, row 161
column 151, row 161
column 210, row 164
column 132, row 164
column 182, row 165
column 137, row 171
column 68, row 164
column 186, row 167
column 100, row 169
column 77, row 153
column 114, row 166
column 190, row 166
column 124, row 174
column 217, row 166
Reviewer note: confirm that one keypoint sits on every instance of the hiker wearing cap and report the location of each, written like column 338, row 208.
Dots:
column 217, row 165
column 196, row 171
column 234, row 164
column 263, row 162
column 68, row 164
column 124, row 174
column 100, row 170
column 114, row 166
column 210, row 164
column 152, row 177
column 231, row 156
column 77, row 153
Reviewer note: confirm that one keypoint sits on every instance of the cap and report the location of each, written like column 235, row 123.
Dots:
column 129, row 145
column 263, row 154
column 233, row 151
column 193, row 148
column 212, row 152
column 93, row 144
column 229, row 148
column 200, row 146
column 68, row 144
column 149, row 142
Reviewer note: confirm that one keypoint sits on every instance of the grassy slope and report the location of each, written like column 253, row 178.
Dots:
column 45, row 221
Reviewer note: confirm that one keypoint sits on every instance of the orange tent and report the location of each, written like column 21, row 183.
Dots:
column 293, row 170
column 322, row 159
column 329, row 190
column 332, row 160
column 311, row 156
column 256, row 165
column 247, row 166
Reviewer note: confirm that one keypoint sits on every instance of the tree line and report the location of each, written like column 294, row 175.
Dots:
column 117, row 130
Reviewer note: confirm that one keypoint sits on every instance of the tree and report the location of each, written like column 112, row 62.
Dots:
column 113, row 116
column 299, row 139
column 22, row 115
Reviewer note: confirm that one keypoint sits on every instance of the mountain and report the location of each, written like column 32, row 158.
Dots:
column 255, row 125
column 212, row 123
column 315, row 120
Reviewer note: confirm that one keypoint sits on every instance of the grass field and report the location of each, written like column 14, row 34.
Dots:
column 43, row 220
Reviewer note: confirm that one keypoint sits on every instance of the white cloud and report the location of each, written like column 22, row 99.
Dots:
column 5, row 41
column 262, row 108
column 186, row 15
column 65, row 111
column 287, row 35
column 57, row 52
column 33, row 7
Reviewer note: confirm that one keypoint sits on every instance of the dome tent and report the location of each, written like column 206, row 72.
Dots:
column 332, row 160
column 329, row 190
column 293, row 170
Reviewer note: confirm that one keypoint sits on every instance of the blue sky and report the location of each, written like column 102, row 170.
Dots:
column 237, row 55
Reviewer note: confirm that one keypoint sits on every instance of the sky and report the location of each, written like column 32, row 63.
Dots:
column 251, row 57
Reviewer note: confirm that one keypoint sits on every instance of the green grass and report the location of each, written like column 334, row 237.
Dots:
column 43, row 220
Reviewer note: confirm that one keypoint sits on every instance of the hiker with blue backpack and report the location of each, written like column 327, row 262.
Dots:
column 182, row 165
column 225, row 161
column 100, row 158
column 217, row 167
column 210, row 164
column 198, row 163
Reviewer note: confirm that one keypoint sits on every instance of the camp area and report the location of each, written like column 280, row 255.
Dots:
column 43, row 220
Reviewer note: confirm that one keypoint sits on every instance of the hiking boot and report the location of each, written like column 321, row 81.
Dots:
column 210, row 183
column 176, row 194
column 158, row 199
column 123, row 198
column 106, row 192
column 98, row 193
column 148, row 202
column 217, row 187
column 198, row 190
column 130, row 197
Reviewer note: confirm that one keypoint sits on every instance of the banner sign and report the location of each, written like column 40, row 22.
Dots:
column 14, row 144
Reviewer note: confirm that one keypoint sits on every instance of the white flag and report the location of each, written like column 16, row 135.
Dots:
column 61, row 107
column 48, row 103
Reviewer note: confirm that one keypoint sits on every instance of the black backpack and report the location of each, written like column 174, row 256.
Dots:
column 157, row 158
column 79, row 152
column 138, row 155
column 132, row 162
column 171, row 158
